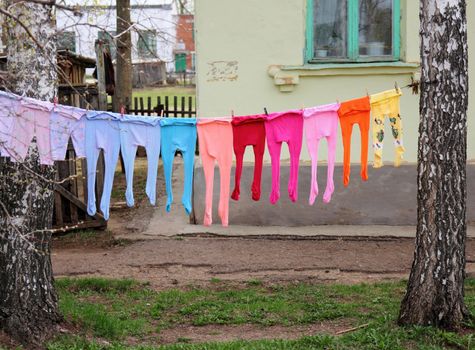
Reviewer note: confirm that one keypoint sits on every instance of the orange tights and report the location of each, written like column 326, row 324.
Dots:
column 352, row 112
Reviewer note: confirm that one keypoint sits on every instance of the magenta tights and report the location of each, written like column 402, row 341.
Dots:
column 284, row 127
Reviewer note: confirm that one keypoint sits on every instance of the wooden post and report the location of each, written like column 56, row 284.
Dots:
column 190, row 106
column 101, row 76
column 182, row 109
column 142, row 112
column 175, row 106
column 123, row 71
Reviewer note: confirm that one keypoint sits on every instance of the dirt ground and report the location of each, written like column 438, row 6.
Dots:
column 197, row 259
column 181, row 261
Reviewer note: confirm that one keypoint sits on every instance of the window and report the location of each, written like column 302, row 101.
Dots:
column 67, row 41
column 107, row 37
column 353, row 30
column 147, row 44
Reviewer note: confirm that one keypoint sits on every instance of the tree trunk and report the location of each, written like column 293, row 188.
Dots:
column 123, row 89
column 435, row 291
column 28, row 301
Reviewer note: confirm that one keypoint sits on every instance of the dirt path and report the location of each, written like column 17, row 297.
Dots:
column 166, row 262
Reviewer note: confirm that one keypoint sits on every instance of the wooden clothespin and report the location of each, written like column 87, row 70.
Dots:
column 265, row 111
column 232, row 113
column 396, row 86
column 367, row 93
column 161, row 113
column 55, row 101
column 122, row 110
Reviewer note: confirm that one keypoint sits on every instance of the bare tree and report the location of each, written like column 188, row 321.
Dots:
column 435, row 291
column 28, row 301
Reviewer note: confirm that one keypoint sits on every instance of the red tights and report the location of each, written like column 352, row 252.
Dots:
column 249, row 131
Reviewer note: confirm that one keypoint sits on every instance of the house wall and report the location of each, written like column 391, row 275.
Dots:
column 239, row 43
column 159, row 18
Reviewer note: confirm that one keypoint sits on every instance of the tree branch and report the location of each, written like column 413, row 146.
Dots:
column 76, row 10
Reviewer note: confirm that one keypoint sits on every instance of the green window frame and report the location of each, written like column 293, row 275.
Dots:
column 353, row 36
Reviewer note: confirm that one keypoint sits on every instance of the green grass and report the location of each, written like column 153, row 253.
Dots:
column 117, row 310
column 163, row 92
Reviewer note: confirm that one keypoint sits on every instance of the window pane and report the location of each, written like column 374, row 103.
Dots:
column 375, row 28
column 67, row 41
column 330, row 28
column 147, row 44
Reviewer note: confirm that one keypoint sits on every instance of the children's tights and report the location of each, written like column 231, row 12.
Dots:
column 321, row 122
column 249, row 131
column 386, row 104
column 179, row 134
column 105, row 135
column 353, row 112
column 216, row 145
column 284, row 127
column 133, row 135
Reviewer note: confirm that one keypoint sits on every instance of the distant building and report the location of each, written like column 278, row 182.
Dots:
column 184, row 50
column 153, row 35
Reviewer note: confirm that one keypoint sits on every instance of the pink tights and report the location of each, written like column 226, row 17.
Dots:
column 216, row 145
column 320, row 122
column 284, row 127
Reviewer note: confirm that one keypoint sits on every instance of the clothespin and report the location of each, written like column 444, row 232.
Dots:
column 367, row 94
column 122, row 110
column 396, row 86
column 232, row 113
column 55, row 101
column 161, row 113
column 265, row 111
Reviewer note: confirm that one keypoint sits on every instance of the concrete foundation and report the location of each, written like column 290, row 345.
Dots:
column 387, row 198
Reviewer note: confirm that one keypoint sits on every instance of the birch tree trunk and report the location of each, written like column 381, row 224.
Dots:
column 28, row 301
column 435, row 291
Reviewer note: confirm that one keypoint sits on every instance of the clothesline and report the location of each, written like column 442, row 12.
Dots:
column 22, row 119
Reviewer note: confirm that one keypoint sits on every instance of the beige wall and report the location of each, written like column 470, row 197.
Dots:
column 238, row 41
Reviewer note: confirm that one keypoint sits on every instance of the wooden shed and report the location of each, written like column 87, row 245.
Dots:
column 72, row 79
